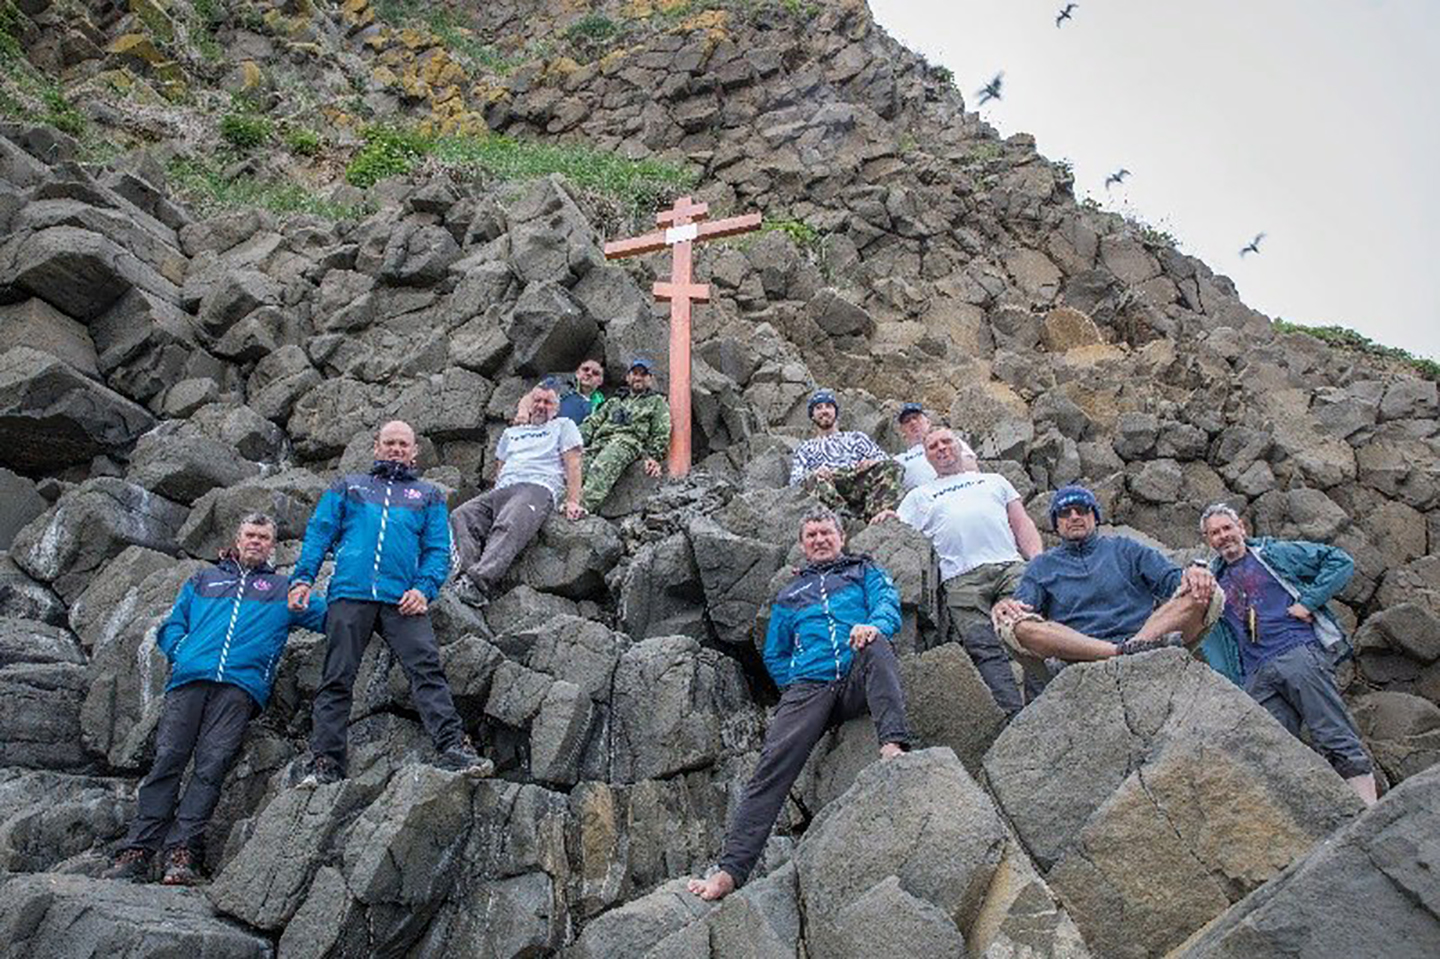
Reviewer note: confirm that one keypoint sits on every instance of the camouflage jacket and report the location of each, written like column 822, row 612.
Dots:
column 642, row 418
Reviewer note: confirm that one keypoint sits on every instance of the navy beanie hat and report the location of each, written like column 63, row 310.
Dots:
column 1072, row 496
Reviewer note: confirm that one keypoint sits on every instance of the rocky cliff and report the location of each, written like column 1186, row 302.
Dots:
column 182, row 347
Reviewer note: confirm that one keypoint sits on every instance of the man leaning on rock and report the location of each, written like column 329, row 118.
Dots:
column 389, row 532
column 1094, row 597
column 982, row 537
column 538, row 461
column 844, row 468
column 223, row 637
column 828, row 649
column 1279, row 640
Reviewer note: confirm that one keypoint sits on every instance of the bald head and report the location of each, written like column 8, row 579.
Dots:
column 947, row 453
column 396, row 441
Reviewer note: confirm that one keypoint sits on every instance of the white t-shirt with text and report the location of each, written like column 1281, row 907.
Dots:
column 531, row 454
column 965, row 517
column 918, row 470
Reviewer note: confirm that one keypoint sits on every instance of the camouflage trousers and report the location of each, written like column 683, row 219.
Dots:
column 862, row 493
column 603, row 466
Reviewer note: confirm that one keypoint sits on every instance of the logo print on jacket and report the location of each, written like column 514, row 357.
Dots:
column 263, row 585
column 413, row 493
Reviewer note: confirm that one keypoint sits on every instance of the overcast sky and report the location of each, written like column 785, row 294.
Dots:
column 1314, row 121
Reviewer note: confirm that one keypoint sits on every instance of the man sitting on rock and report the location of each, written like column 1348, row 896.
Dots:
column 223, row 638
column 828, row 649
column 390, row 535
column 586, row 398
column 632, row 424
column 982, row 537
column 1278, row 637
column 846, row 470
column 1094, row 597
column 537, row 461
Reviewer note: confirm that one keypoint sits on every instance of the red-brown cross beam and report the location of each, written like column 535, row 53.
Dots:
column 683, row 227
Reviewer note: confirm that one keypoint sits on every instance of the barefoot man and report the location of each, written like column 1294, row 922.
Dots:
column 828, row 649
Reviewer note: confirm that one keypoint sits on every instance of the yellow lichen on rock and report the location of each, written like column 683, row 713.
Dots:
column 251, row 76
column 136, row 46
column 711, row 21
column 383, row 76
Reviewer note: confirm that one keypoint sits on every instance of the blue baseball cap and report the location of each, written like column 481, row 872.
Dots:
column 822, row 396
column 907, row 409
column 1067, row 496
column 645, row 363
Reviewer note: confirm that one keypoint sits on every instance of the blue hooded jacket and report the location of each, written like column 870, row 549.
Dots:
column 229, row 625
column 810, row 621
column 1310, row 572
column 389, row 531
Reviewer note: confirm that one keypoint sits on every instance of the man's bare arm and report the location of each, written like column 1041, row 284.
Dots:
column 1027, row 537
column 571, row 460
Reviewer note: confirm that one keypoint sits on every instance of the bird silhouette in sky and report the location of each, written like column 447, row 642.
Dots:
column 1065, row 14
column 1253, row 246
column 1117, row 177
column 991, row 90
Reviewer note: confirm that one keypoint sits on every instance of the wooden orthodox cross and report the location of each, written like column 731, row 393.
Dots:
column 683, row 227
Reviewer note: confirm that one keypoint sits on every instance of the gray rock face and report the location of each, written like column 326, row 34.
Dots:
column 569, row 557
column 22, row 504
column 663, row 688
column 67, row 545
column 549, row 330
column 184, row 468
column 47, row 817
column 26, row 641
column 47, row 914
column 897, row 808
column 40, row 716
column 1402, row 731
column 1182, row 795
column 80, row 272
column 948, row 704
column 127, row 672
column 288, row 497
column 1383, row 860
column 52, row 415
column 39, row 325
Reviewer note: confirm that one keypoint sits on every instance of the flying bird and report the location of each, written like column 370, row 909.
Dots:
column 1117, row 177
column 991, row 90
column 1065, row 14
column 1253, row 246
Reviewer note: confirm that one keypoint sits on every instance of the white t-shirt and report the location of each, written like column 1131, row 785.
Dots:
column 532, row 454
column 965, row 517
column 918, row 470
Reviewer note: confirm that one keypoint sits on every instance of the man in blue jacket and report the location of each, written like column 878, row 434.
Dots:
column 1094, row 597
column 390, row 535
column 1279, row 640
column 828, row 649
column 223, row 637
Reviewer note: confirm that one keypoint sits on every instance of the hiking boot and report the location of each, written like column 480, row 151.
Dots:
column 130, row 865
column 462, row 758
column 470, row 592
column 1133, row 646
column 315, row 771
column 181, row 869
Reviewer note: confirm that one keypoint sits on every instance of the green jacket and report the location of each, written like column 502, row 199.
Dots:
column 643, row 419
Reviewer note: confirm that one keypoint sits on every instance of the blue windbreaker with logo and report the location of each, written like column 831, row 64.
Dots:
column 230, row 624
column 810, row 621
column 389, row 531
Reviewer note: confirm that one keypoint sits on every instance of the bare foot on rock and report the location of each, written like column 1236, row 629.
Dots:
column 891, row 750
column 716, row 887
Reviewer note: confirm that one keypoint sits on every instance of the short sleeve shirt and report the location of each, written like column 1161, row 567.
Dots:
column 966, row 517
column 918, row 470
column 532, row 454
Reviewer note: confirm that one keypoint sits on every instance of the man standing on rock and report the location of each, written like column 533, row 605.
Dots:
column 223, row 637
column 828, row 649
column 1278, row 636
column 537, row 461
column 390, row 536
column 632, row 424
column 982, row 537
column 1094, row 597
column 586, row 398
column 846, row 470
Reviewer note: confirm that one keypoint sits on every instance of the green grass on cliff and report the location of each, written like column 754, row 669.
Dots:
column 636, row 184
column 204, row 185
column 1341, row 338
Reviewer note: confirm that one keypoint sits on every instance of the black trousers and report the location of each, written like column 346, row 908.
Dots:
column 349, row 624
column 805, row 712
column 203, row 719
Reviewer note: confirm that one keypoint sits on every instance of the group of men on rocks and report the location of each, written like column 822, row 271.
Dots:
column 1259, row 607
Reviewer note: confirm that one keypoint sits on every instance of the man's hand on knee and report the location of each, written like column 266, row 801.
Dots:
column 1008, row 612
column 862, row 635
